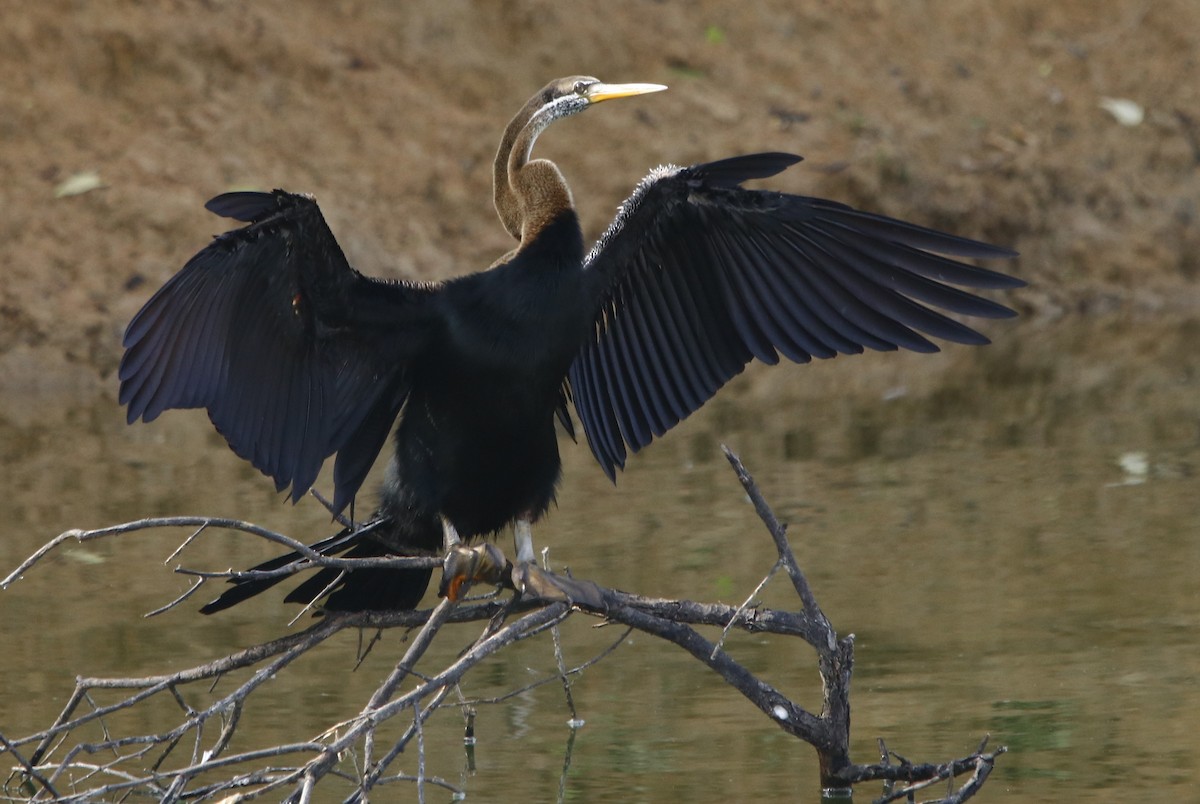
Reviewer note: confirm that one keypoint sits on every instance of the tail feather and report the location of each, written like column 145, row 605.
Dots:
column 359, row 590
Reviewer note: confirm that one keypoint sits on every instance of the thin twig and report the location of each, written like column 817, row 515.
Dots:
column 191, row 590
column 746, row 605
column 339, row 518
column 556, row 639
column 184, row 544
column 307, row 607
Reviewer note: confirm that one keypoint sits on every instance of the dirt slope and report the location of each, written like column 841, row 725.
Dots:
column 977, row 116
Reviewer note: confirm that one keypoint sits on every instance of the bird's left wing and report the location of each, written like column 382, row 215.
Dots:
column 294, row 354
column 696, row 276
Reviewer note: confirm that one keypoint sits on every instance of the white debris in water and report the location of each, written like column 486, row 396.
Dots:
column 1136, row 466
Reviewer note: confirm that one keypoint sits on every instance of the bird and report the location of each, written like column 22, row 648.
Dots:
column 296, row 356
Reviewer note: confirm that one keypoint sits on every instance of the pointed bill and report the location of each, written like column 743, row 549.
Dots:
column 602, row 92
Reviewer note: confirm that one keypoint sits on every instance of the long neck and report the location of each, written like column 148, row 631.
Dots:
column 528, row 193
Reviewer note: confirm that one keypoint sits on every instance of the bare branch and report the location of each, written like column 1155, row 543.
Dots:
column 327, row 504
column 153, row 763
column 195, row 587
column 309, row 558
column 778, row 533
column 922, row 776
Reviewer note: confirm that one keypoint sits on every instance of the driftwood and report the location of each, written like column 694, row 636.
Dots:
column 187, row 759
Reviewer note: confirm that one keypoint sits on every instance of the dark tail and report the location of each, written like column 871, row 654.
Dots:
column 360, row 590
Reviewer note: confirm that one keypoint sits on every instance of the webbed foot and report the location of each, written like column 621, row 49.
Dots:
column 533, row 582
column 465, row 566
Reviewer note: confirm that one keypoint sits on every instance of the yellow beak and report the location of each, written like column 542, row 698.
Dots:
column 603, row 92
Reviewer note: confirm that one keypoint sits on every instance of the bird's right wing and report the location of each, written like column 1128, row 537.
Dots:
column 697, row 276
column 294, row 354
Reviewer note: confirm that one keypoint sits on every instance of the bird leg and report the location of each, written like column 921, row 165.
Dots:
column 523, row 540
column 450, row 537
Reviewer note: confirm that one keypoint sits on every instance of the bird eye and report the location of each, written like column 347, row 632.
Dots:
column 581, row 87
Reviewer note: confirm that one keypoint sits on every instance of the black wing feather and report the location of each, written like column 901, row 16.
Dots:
column 803, row 326
column 596, row 415
column 697, row 276
column 661, row 354
column 294, row 354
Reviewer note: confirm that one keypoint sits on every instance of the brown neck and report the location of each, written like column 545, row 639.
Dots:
column 528, row 193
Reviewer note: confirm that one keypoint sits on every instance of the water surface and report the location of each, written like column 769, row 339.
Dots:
column 1011, row 533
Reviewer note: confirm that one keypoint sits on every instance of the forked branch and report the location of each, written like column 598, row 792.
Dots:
column 57, row 764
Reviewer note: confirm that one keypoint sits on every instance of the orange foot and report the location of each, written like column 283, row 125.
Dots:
column 465, row 566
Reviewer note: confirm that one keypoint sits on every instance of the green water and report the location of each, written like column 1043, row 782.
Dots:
column 1011, row 533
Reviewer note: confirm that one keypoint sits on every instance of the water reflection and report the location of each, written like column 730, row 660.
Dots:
column 1011, row 532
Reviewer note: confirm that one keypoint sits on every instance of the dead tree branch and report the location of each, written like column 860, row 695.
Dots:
column 188, row 759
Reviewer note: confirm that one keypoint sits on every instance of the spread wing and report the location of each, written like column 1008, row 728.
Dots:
column 696, row 276
column 294, row 354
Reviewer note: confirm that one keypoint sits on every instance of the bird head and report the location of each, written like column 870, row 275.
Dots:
column 571, row 95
